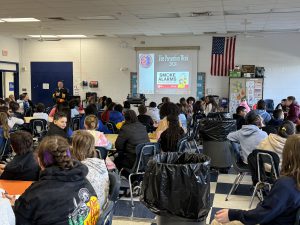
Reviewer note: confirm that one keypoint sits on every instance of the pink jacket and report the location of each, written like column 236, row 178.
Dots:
column 245, row 104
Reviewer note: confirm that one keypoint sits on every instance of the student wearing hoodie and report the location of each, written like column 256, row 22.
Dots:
column 62, row 195
column 83, row 149
column 294, row 109
column 261, row 110
column 280, row 206
column 276, row 142
column 153, row 111
column 250, row 135
column 24, row 165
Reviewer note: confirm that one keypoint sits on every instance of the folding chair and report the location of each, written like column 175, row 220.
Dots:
column 112, row 127
column 261, row 158
column 38, row 127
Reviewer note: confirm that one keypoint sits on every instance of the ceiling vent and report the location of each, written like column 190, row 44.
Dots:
column 199, row 14
column 56, row 18
column 100, row 35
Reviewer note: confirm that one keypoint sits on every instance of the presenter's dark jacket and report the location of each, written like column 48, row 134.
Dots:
column 130, row 135
column 60, row 197
column 60, row 95
column 279, row 207
column 22, row 167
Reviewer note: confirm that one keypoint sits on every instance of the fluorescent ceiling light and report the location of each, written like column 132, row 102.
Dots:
column 72, row 36
column 42, row 36
column 98, row 18
column 158, row 15
column 15, row 20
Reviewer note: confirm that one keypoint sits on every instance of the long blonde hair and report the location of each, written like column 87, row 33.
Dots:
column 83, row 145
column 291, row 158
column 4, row 124
column 91, row 122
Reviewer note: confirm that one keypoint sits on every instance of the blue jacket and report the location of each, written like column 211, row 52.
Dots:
column 264, row 114
column 116, row 117
column 279, row 207
column 249, row 137
column 101, row 126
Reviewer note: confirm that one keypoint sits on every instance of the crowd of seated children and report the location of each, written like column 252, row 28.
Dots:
column 281, row 204
column 130, row 135
column 40, row 112
column 277, row 118
column 211, row 105
column 166, row 109
column 24, row 165
column 250, row 135
column 261, row 110
column 245, row 104
column 153, row 112
column 92, row 110
column 239, row 116
column 62, row 195
column 145, row 119
column 276, row 142
column 294, row 109
column 83, row 149
column 170, row 137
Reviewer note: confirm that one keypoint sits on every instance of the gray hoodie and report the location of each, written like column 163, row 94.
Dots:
column 249, row 138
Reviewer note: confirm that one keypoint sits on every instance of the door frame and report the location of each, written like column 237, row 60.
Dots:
column 16, row 78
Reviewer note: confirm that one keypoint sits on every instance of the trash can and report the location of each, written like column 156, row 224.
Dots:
column 176, row 187
column 215, row 144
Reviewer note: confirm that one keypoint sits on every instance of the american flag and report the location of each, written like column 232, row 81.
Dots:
column 222, row 55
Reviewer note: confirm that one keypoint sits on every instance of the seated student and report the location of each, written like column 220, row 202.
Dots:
column 282, row 106
column 281, row 204
column 245, row 104
column 211, row 105
column 62, row 195
column 294, row 109
column 163, row 101
column 14, row 110
column 40, row 112
column 261, row 110
column 4, row 132
column 276, row 142
column 83, row 149
column 74, row 112
column 145, row 119
column 277, row 118
column 182, row 117
column 239, row 116
column 198, row 112
column 24, row 165
column 56, row 108
column 170, row 137
column 59, row 125
column 116, row 115
column 23, row 103
column 250, row 135
column 126, row 106
column 12, row 121
column 131, row 134
column 153, row 111
column 92, row 110
column 105, row 117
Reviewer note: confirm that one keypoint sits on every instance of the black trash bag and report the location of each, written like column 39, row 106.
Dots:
column 178, row 185
column 219, row 115
column 217, row 130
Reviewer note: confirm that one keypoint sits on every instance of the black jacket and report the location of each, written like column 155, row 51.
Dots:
column 22, row 167
column 129, row 137
column 55, row 130
column 147, row 122
column 60, row 95
column 60, row 197
column 240, row 121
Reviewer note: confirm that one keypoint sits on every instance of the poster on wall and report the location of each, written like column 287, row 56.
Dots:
column 237, row 92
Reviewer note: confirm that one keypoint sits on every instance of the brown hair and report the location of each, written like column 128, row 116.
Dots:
column 83, row 145
column 4, row 124
column 291, row 159
column 91, row 122
column 21, row 142
column 55, row 150
column 142, row 109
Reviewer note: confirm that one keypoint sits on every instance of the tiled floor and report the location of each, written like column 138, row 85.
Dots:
column 219, row 187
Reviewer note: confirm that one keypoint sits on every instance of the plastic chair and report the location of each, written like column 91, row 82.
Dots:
column 261, row 158
column 112, row 127
column 239, row 166
column 144, row 153
column 75, row 123
column 102, row 152
column 38, row 127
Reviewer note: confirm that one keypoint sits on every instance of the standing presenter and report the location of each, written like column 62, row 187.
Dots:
column 60, row 94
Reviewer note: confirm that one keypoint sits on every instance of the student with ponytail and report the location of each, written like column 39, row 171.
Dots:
column 62, row 195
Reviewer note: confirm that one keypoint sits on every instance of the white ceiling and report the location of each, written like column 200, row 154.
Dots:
column 226, row 16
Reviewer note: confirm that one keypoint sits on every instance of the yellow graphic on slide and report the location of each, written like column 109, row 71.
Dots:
column 182, row 82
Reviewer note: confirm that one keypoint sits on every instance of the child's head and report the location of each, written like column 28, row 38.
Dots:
column 241, row 110
column 283, row 102
column 118, row 108
column 21, row 142
column 130, row 116
column 198, row 107
column 291, row 158
column 83, row 145
column 14, row 106
column 286, row 129
column 73, row 103
column 91, row 110
column 4, row 124
column 126, row 104
column 91, row 122
column 290, row 100
column 40, row 108
column 152, row 105
column 190, row 100
column 278, row 114
column 142, row 109
column 261, row 104
column 253, row 118
column 55, row 151
column 60, row 120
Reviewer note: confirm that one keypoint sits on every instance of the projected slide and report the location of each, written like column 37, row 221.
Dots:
column 166, row 72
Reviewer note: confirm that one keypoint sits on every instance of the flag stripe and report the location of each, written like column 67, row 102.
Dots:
column 222, row 58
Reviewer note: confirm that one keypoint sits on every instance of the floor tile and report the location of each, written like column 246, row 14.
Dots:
column 243, row 189
column 229, row 178
column 213, row 186
column 234, row 202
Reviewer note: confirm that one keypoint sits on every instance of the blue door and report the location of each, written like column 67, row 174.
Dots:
column 44, row 78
